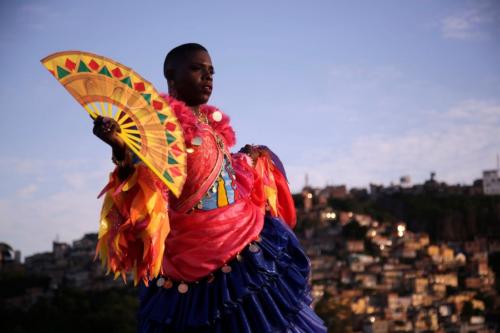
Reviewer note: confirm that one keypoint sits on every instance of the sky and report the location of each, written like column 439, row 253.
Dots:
column 347, row 92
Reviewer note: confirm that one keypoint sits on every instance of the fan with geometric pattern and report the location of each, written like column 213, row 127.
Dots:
column 148, row 125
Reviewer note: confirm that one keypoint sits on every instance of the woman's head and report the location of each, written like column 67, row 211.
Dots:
column 189, row 73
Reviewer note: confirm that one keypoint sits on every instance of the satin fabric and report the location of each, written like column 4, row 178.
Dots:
column 266, row 290
column 276, row 190
column 202, row 241
column 204, row 166
column 263, row 289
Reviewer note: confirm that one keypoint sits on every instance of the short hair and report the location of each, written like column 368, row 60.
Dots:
column 177, row 54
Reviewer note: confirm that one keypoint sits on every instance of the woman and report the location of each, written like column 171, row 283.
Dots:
column 230, row 261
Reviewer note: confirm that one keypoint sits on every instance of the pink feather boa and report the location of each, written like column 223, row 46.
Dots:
column 190, row 124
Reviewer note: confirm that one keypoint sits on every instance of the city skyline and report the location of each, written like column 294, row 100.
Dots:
column 389, row 188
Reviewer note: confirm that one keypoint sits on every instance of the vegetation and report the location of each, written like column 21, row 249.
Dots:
column 14, row 284
column 445, row 217
column 336, row 315
column 494, row 262
column 74, row 311
column 354, row 231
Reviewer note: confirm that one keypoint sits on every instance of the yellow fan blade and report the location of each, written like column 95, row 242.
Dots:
column 105, row 87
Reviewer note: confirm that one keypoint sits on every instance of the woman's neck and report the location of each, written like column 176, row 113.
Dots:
column 202, row 118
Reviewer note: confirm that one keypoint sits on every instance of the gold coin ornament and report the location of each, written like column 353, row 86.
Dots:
column 160, row 282
column 147, row 123
column 168, row 284
column 196, row 141
column 217, row 116
column 253, row 248
column 182, row 288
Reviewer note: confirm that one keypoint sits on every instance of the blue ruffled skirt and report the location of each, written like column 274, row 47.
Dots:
column 264, row 290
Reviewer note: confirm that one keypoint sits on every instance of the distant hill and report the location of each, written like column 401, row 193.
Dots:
column 446, row 217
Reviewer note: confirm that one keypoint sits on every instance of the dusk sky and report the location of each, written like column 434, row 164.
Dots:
column 349, row 92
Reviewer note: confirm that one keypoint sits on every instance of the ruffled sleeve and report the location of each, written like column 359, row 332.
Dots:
column 133, row 225
column 271, row 175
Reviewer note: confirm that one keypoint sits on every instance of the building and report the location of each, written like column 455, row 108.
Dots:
column 491, row 182
column 72, row 266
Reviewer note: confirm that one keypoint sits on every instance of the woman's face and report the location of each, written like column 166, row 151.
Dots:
column 193, row 79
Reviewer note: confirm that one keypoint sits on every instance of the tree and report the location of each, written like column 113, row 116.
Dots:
column 353, row 230
column 335, row 313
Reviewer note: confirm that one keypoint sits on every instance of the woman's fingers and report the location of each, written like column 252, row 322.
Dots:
column 113, row 125
column 104, row 126
column 106, row 129
column 110, row 125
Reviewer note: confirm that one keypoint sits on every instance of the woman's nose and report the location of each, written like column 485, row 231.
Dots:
column 207, row 74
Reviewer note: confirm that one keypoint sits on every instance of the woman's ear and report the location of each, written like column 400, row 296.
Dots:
column 169, row 74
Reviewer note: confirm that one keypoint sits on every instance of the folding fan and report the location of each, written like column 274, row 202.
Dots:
column 148, row 124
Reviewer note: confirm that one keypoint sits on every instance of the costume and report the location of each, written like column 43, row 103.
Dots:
column 222, row 256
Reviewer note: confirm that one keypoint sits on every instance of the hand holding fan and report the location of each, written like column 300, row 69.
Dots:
column 148, row 125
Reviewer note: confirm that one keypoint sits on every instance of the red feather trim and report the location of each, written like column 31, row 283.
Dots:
column 222, row 127
column 190, row 124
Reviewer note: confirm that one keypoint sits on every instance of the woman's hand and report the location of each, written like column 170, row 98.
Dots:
column 107, row 130
column 253, row 151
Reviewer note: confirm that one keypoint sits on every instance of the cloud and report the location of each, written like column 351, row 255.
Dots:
column 34, row 15
column 457, row 144
column 32, row 224
column 383, row 123
column 381, row 91
column 27, row 191
column 472, row 23
column 475, row 110
column 45, row 198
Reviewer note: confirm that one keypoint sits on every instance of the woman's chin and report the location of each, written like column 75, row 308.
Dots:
column 199, row 101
